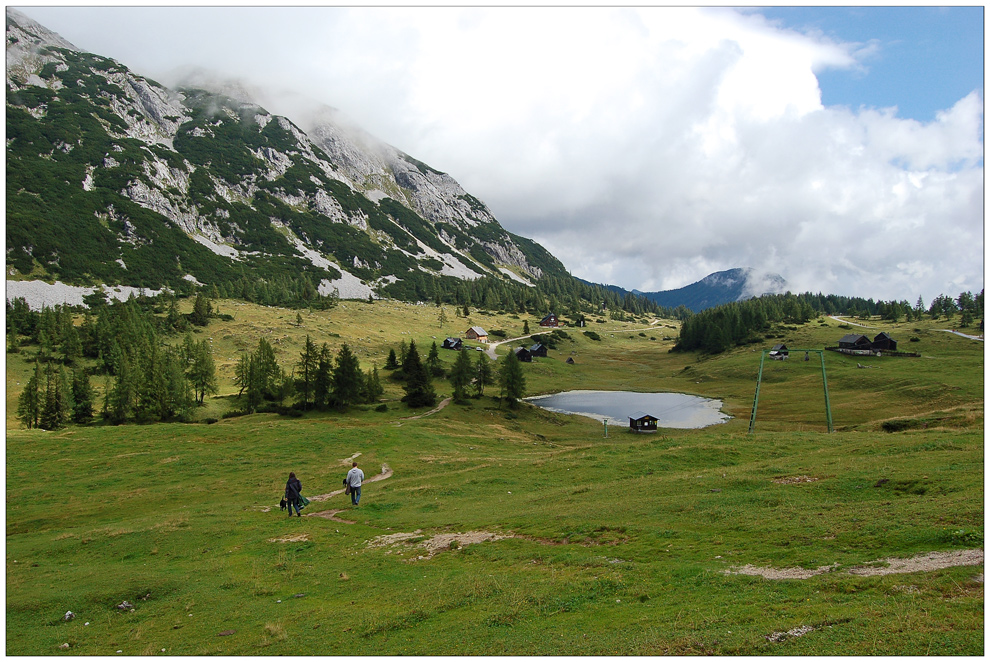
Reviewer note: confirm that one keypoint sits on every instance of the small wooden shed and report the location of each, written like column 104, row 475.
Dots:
column 779, row 352
column 855, row 341
column 453, row 343
column 885, row 342
column 539, row 349
column 523, row 354
column 642, row 422
column 477, row 333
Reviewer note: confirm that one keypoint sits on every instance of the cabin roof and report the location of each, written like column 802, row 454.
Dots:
column 638, row 416
column 478, row 331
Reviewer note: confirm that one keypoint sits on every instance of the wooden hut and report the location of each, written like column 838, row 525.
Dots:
column 855, row 341
column 477, row 333
column 883, row 341
column 539, row 349
column 550, row 321
column 523, row 354
column 570, row 360
column 642, row 422
column 778, row 352
column 453, row 343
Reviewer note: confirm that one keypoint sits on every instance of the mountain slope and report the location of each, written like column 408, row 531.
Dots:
column 719, row 288
column 113, row 178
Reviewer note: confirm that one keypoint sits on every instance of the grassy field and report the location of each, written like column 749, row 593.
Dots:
column 516, row 532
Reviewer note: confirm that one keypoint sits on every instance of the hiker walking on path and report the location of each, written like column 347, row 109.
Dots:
column 293, row 493
column 353, row 480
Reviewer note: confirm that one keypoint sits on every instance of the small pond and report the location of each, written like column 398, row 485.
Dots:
column 674, row 410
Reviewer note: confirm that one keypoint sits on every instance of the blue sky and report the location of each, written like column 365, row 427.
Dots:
column 926, row 58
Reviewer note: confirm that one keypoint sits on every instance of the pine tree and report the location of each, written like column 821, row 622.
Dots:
column 461, row 375
column 30, row 401
column 82, row 395
column 483, row 374
column 373, row 389
column 511, row 379
column 391, row 363
column 202, row 372
column 418, row 388
column 433, row 362
column 200, row 315
column 308, row 365
column 348, row 382
column 323, row 383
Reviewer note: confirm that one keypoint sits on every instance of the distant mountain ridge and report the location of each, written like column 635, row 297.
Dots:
column 719, row 288
column 713, row 290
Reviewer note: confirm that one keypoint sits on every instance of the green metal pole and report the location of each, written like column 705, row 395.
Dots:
column 756, row 398
column 828, row 406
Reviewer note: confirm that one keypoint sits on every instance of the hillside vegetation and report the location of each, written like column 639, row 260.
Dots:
column 515, row 531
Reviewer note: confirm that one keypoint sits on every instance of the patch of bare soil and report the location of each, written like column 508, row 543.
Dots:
column 920, row 563
column 443, row 403
column 437, row 543
column 331, row 515
column 794, row 480
column 296, row 537
column 923, row 563
column 781, row 573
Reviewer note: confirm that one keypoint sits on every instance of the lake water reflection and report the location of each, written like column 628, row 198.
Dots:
column 674, row 410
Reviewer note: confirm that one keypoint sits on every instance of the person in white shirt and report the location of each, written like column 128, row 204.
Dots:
column 354, row 478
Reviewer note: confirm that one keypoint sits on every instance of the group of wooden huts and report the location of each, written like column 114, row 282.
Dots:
column 860, row 345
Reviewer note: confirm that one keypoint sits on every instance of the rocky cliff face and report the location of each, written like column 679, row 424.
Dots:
column 166, row 185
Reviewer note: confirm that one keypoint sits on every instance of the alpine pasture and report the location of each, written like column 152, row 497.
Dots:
column 516, row 531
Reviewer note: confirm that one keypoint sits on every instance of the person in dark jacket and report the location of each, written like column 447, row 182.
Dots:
column 293, row 489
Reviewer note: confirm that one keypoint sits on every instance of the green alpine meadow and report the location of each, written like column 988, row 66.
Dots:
column 491, row 529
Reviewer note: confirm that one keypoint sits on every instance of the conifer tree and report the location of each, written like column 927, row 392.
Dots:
column 461, row 375
column 483, row 374
column 323, row 383
column 202, row 372
column 418, row 388
column 82, row 396
column 30, row 401
column 373, row 389
column 391, row 363
column 308, row 365
column 348, row 382
column 433, row 362
column 511, row 379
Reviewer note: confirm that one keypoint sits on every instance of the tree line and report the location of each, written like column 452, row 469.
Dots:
column 722, row 327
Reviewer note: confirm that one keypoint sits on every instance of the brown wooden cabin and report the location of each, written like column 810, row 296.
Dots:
column 550, row 321
column 641, row 422
column 477, row 333
column 523, row 354
column 453, row 343
column 885, row 342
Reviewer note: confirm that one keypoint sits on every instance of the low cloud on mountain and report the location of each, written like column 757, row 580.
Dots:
column 645, row 147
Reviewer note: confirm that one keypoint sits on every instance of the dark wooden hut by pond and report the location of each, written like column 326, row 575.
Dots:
column 883, row 341
column 642, row 422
